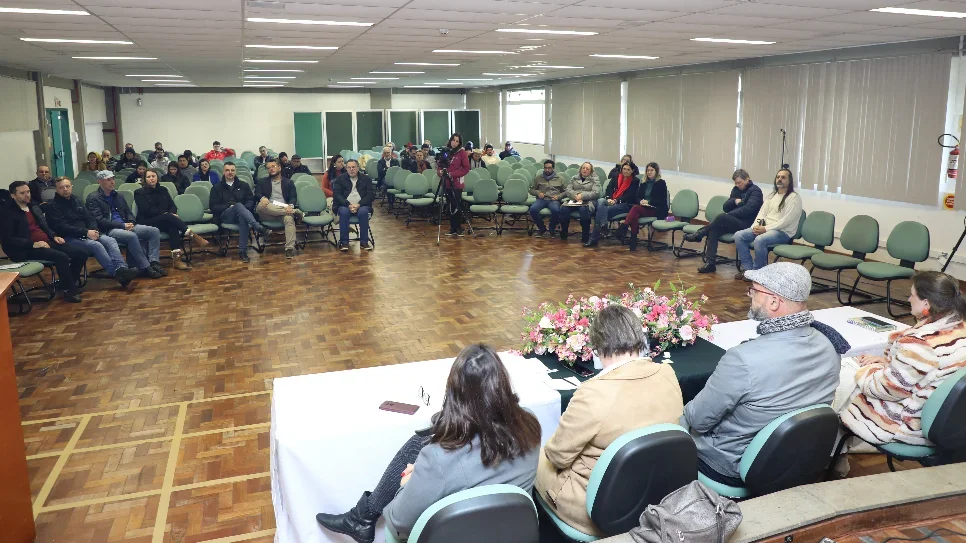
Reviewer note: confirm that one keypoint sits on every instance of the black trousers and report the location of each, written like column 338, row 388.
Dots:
column 388, row 485
column 168, row 224
column 68, row 261
column 455, row 197
column 713, row 474
column 722, row 224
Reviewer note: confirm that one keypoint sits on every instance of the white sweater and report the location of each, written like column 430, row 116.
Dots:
column 785, row 219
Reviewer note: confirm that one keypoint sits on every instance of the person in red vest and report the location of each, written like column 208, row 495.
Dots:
column 218, row 152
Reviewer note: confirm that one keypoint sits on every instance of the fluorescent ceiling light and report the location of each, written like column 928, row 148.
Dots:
column 420, row 86
column 172, row 85
column 262, row 86
column 116, row 58
column 444, row 83
column 269, row 77
column 541, row 31
column 371, row 78
column 397, row 72
column 471, row 79
column 423, row 64
column 306, row 22
column 728, row 40
column 165, row 81
column 264, row 70
column 542, row 66
column 508, row 75
column 279, row 61
column 152, row 75
column 265, row 82
column 926, row 12
column 32, row 11
column 289, row 47
column 645, row 57
column 474, row 52
column 61, row 40
column 345, row 86
column 358, row 82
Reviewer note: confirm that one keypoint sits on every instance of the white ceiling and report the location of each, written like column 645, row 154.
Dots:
column 203, row 40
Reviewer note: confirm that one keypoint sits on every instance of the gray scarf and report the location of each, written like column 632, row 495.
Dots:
column 801, row 320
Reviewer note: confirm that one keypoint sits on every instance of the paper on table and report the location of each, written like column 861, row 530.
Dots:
column 572, row 380
column 561, row 384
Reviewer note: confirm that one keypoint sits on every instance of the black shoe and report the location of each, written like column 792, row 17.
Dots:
column 289, row 253
column 584, row 236
column 150, row 273
column 264, row 232
column 695, row 237
column 451, row 233
column 563, row 235
column 156, row 266
column 591, row 243
column 357, row 523
column 344, row 247
column 459, row 233
column 621, row 233
column 633, row 243
column 124, row 276
column 368, row 246
column 708, row 268
column 243, row 256
column 72, row 297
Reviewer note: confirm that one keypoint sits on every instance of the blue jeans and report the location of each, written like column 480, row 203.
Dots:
column 344, row 215
column 541, row 204
column 132, row 241
column 104, row 249
column 240, row 215
column 746, row 239
column 605, row 213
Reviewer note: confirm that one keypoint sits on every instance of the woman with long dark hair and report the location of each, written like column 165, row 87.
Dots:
column 156, row 208
column 335, row 169
column 459, row 165
column 205, row 173
column 175, row 176
column 620, row 196
column 653, row 203
column 482, row 436
column 776, row 223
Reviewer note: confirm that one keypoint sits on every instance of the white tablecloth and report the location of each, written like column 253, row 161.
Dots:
column 330, row 442
column 863, row 341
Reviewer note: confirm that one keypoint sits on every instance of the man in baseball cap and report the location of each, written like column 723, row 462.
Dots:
column 790, row 365
column 295, row 166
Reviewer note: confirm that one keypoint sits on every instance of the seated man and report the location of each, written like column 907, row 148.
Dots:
column 275, row 199
column 262, row 157
column 476, row 159
column 129, row 160
column 488, row 155
column 790, row 365
column 158, row 148
column 739, row 212
column 283, row 161
column 352, row 195
column 185, row 168
column 386, row 162
column 137, row 176
column 115, row 219
column 42, row 189
column 428, row 149
column 231, row 202
column 218, row 152
column 24, row 235
column 295, row 167
column 109, row 161
column 508, row 151
column 631, row 392
column 548, row 187
column 70, row 219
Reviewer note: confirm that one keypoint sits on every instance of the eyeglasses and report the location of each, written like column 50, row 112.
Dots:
column 424, row 396
column 753, row 289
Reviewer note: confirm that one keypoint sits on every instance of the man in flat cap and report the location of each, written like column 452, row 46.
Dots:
column 790, row 365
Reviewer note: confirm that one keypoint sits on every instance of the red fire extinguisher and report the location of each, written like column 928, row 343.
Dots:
column 953, row 169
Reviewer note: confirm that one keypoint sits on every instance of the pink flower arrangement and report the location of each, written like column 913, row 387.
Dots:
column 669, row 321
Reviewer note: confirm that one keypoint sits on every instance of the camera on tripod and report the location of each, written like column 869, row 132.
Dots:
column 443, row 157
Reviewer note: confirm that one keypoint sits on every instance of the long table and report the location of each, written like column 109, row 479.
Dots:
column 330, row 442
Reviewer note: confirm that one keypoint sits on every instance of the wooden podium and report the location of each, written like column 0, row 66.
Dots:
column 16, row 509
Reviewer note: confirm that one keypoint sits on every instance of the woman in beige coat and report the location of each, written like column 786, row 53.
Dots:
column 631, row 392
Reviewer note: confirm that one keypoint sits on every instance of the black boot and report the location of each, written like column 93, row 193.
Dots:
column 563, row 235
column 708, row 268
column 697, row 236
column 358, row 523
column 621, row 232
column 633, row 242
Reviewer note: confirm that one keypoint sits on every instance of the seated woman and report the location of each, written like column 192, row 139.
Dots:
column 892, row 389
column 335, row 169
column 175, row 176
column 480, row 437
column 205, row 173
column 418, row 163
column 94, row 163
column 620, row 196
column 653, row 203
column 157, row 209
column 583, row 188
column 632, row 392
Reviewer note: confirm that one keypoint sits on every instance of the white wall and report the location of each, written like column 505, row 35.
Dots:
column 94, row 132
column 52, row 94
column 18, row 121
column 427, row 101
column 242, row 121
column 95, row 115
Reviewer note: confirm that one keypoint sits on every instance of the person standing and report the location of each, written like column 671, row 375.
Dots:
column 276, row 199
column 459, row 166
column 740, row 211
column 232, row 202
column 353, row 195
column 776, row 224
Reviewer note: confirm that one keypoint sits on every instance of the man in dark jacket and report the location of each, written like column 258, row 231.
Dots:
column 739, row 212
column 262, row 157
column 231, row 202
column 508, row 151
column 24, row 235
column 275, row 200
column 129, row 160
column 70, row 219
column 115, row 219
column 386, row 162
column 42, row 186
column 352, row 194
column 294, row 167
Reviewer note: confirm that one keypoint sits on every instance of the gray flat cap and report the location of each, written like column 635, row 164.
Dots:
column 786, row 279
column 104, row 174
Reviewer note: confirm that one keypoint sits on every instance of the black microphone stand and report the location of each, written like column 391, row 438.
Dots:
column 784, row 134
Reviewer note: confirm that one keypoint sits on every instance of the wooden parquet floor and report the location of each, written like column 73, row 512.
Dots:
column 146, row 411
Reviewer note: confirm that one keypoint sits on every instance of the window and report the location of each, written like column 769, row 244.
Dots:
column 525, row 116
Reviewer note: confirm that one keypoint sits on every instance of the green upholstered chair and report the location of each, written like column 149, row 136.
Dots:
column 484, row 173
column 398, row 189
column 173, row 189
column 638, row 469
column 317, row 216
column 469, row 183
column 601, row 174
column 514, row 206
column 19, row 295
column 417, row 185
column 127, row 192
column 485, row 514
column 684, row 207
column 502, row 175
column 302, row 182
column 818, row 229
column 485, row 196
column 202, row 191
column 908, row 243
column 493, row 169
column 861, row 237
column 714, row 207
column 792, row 450
column 88, row 190
column 192, row 212
column 560, row 167
column 80, row 185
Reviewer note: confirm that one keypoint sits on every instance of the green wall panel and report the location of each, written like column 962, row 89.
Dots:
column 403, row 127
column 436, row 127
column 468, row 124
column 308, row 134
column 369, row 128
column 338, row 132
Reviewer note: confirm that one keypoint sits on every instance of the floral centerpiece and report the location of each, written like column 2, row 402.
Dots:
column 563, row 328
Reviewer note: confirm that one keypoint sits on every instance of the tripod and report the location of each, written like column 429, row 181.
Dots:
column 784, row 134
column 453, row 202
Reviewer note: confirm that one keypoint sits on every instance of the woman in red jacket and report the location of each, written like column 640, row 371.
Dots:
column 459, row 165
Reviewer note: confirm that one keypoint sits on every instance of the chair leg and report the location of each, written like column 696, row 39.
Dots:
column 838, row 288
column 23, row 300
column 892, row 466
column 838, row 452
column 889, row 302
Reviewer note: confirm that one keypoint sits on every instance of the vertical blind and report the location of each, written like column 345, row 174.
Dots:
column 489, row 105
column 654, row 120
column 772, row 99
column 709, row 118
column 586, row 120
column 871, row 127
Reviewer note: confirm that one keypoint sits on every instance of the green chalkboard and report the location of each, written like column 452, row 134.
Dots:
column 436, row 127
column 338, row 132
column 369, row 130
column 468, row 123
column 308, row 134
column 403, row 127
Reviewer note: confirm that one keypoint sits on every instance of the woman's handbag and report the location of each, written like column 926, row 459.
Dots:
column 691, row 514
